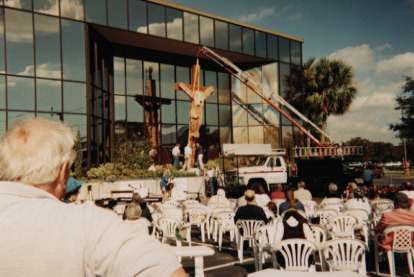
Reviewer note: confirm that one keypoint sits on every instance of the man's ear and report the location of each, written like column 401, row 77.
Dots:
column 62, row 178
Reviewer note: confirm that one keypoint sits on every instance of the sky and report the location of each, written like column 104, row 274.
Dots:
column 376, row 37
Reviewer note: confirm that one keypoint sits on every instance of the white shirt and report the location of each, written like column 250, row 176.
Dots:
column 176, row 151
column 358, row 204
column 188, row 150
column 42, row 236
column 302, row 194
column 262, row 199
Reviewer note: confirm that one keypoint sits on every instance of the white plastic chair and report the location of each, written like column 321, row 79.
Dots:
column 172, row 213
column 320, row 237
column 170, row 204
column 212, row 227
column 310, row 208
column 197, row 216
column 342, row 226
column 246, row 230
column 265, row 237
column 401, row 243
column 296, row 254
column 168, row 228
column 225, row 224
column 363, row 220
column 332, row 204
column 345, row 255
column 324, row 215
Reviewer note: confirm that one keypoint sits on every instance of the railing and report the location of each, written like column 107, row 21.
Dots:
column 329, row 151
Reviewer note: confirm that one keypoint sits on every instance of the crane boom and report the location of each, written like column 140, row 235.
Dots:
column 256, row 87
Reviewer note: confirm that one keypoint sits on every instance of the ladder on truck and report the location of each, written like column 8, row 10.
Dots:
column 279, row 104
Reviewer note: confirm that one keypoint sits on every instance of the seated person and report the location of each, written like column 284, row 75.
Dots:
column 146, row 213
column 219, row 200
column 277, row 192
column 262, row 199
column 399, row 216
column 358, row 201
column 291, row 202
column 302, row 194
column 250, row 211
column 333, row 191
column 293, row 226
column 133, row 216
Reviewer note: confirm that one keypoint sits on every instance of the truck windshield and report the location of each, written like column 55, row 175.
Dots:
column 259, row 161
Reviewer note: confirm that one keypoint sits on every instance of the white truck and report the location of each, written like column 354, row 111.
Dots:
column 258, row 163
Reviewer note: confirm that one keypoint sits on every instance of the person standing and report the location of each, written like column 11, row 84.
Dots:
column 188, row 152
column 199, row 152
column 176, row 153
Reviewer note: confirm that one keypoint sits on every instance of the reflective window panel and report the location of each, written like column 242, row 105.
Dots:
column 47, row 47
column 167, row 81
column 211, row 114
column 271, row 136
column 223, row 88
column 168, row 113
column 19, row 43
column 74, row 95
column 182, row 134
column 119, row 75
column 296, row 52
column 49, row 95
column 222, row 34
column 182, row 112
column 95, row 11
column 284, row 53
column 272, row 115
column 22, row 4
column 72, row 9
column 287, row 137
column 137, row 10
column 272, row 47
column 238, row 90
column 120, row 108
column 168, row 134
column 73, row 50
column 225, row 135
column 261, row 44
column 191, row 28
column 134, row 77
column 174, row 24
column 256, row 134
column 2, row 122
column 20, row 93
column 225, row 115
column 284, row 73
column 182, row 75
column 256, row 74
column 156, row 20
column 239, row 115
column 240, row 135
column 77, row 123
column 117, row 13
column 210, row 79
column 248, row 41
column 2, row 92
column 2, row 64
column 235, row 34
column 270, row 79
column 206, row 31
column 135, row 110
column 255, row 114
column 46, row 6
column 151, row 72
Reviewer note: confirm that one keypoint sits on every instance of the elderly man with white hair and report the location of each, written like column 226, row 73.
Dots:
column 42, row 236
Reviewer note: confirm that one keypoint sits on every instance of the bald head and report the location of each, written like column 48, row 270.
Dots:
column 34, row 151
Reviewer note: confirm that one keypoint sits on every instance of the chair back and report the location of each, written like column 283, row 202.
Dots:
column 344, row 254
column 266, row 235
column 248, row 228
column 325, row 215
column 310, row 207
column 402, row 239
column 170, row 204
column 172, row 213
column 168, row 227
column 196, row 215
column 319, row 235
column 332, row 203
column 382, row 205
column 296, row 253
column 343, row 226
column 226, row 220
column 360, row 214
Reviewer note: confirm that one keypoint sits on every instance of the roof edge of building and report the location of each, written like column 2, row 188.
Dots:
column 233, row 21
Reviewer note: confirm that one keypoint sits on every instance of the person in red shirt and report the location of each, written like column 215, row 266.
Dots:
column 401, row 215
column 278, row 192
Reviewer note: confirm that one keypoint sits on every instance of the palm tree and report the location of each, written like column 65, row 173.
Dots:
column 323, row 87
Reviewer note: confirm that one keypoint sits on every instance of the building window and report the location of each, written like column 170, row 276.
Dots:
column 211, row 114
column 156, row 20
column 223, row 88
column 74, row 96
column 225, row 135
column 168, row 113
column 206, row 31
column 135, row 110
column 46, row 6
column 240, row 135
column 117, row 13
column 248, row 41
column 225, row 115
column 73, row 50
column 296, row 52
column 119, row 75
column 47, row 47
column 95, row 11
column 19, row 43
column 2, row 122
column 134, row 79
column 20, row 93
column 72, row 9
column 260, row 44
column 168, row 134
column 222, row 34
column 49, row 95
column 191, row 28
column 272, row 47
column 120, row 108
column 239, row 115
column 284, row 73
column 284, row 52
column 210, row 78
column 2, row 92
column 2, row 65
column 174, row 24
column 182, row 75
column 235, row 38
column 78, row 123
column 21, row 4
column 167, row 81
column 270, row 79
column 256, row 134
column 137, row 16
column 182, row 112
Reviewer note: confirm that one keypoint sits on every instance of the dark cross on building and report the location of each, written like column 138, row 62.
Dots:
column 151, row 104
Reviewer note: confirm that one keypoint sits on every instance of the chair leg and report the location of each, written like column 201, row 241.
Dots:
column 203, row 239
column 240, row 250
column 188, row 236
column 220, row 238
column 199, row 266
column 391, row 263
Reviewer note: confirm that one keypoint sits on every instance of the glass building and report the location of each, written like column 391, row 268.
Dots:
column 86, row 62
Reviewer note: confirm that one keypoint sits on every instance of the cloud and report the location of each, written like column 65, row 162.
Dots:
column 359, row 57
column 295, row 16
column 43, row 70
column 260, row 14
column 378, row 80
column 402, row 64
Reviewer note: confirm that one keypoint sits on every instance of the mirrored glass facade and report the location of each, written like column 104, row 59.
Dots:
column 56, row 62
